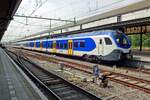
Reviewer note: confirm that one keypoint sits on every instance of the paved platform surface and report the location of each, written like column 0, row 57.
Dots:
column 12, row 84
column 142, row 58
column 142, row 55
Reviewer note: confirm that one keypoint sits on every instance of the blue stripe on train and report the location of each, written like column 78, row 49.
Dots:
column 89, row 44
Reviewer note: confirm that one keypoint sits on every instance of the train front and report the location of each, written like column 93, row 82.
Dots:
column 123, row 45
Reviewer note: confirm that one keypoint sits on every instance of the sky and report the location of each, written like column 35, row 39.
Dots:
column 64, row 9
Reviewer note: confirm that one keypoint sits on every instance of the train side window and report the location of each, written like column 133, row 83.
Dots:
column 76, row 44
column 38, row 44
column 32, row 44
column 43, row 44
column 65, row 45
column 82, row 44
column 61, row 45
column 49, row 45
column 100, row 41
column 58, row 45
column 108, row 41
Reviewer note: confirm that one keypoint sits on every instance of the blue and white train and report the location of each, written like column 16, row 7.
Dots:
column 106, row 45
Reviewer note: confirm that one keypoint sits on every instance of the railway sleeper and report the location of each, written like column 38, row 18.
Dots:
column 43, row 76
column 62, row 89
column 52, row 82
column 70, row 96
column 46, row 79
column 69, row 92
column 76, row 97
column 57, row 86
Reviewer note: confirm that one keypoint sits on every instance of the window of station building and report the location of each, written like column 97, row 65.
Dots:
column 108, row 41
column 75, row 44
column 82, row 44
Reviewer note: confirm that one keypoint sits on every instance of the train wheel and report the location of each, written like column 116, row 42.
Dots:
column 85, row 57
column 99, row 59
column 93, row 58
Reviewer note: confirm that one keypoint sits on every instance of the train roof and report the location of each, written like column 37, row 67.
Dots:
column 82, row 35
column 103, row 32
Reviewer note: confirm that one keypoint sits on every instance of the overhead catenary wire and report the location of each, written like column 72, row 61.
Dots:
column 30, row 24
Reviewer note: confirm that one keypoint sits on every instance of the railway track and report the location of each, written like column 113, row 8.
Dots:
column 135, row 69
column 137, row 83
column 55, row 87
column 40, row 56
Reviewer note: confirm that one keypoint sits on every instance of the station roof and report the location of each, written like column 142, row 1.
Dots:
column 7, row 11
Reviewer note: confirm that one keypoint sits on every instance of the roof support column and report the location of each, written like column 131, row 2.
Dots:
column 141, row 41
column 119, row 18
column 80, row 26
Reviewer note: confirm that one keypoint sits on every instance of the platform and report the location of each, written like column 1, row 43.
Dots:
column 13, row 86
column 142, row 55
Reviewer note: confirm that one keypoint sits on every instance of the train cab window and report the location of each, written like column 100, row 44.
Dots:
column 75, row 44
column 108, row 41
column 82, row 44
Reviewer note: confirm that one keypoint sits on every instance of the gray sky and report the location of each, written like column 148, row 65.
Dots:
column 64, row 9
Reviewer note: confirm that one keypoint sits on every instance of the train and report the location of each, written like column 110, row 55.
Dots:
column 104, row 45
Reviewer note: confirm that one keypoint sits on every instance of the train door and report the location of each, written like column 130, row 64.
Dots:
column 70, row 47
column 54, row 47
column 108, row 47
column 100, row 47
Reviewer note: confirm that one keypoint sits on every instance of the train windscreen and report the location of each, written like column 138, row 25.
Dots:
column 122, row 40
